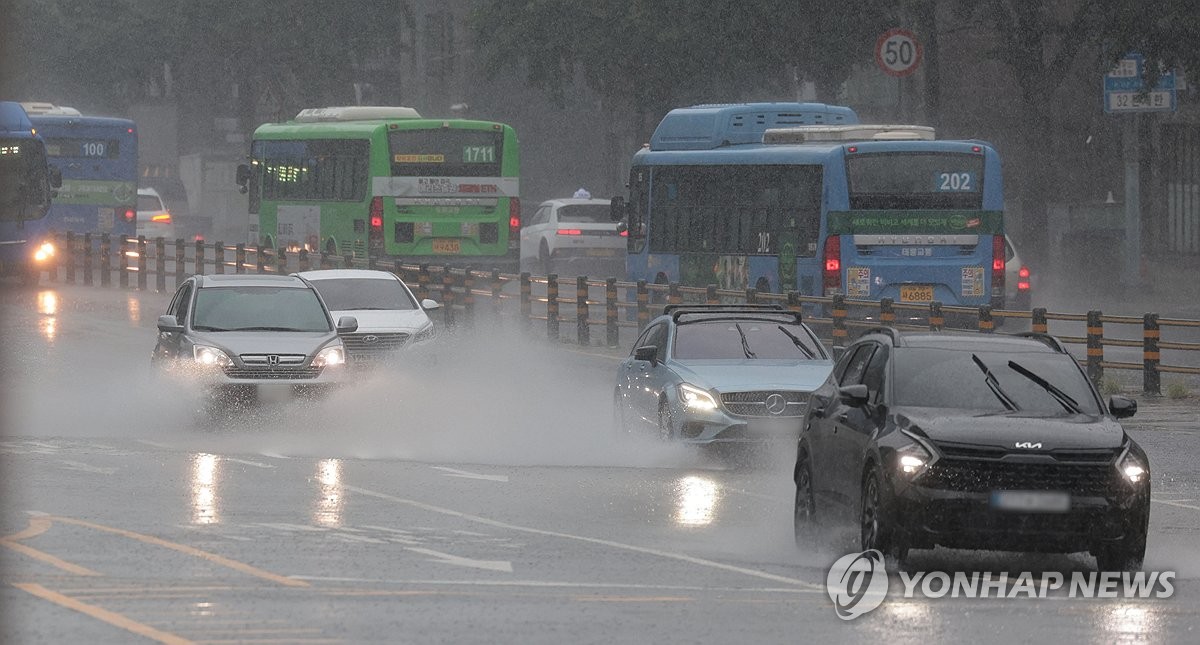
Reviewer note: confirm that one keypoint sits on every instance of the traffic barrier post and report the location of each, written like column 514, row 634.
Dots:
column 198, row 260
column 123, row 263
column 710, row 294
column 69, row 257
column 583, row 331
column 160, row 265
column 1039, row 324
column 219, row 258
column 552, row 306
column 611, row 313
column 887, row 315
column 180, row 259
column 88, row 259
column 105, row 260
column 239, row 258
column 936, row 319
column 469, row 297
column 325, row 262
column 448, row 296
column 643, row 305
column 260, row 259
column 142, row 261
column 1151, row 381
column 986, row 324
column 497, row 294
column 793, row 302
column 526, row 297
column 423, row 281
column 673, row 295
column 281, row 261
column 1095, row 346
column 305, row 263
column 751, row 296
column 348, row 260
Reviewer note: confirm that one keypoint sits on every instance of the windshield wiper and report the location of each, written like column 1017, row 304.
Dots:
column 797, row 342
column 208, row 328
column 994, row 385
column 267, row 329
column 1069, row 404
column 745, row 343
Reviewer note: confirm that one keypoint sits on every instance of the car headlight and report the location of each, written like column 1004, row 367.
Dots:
column 44, row 252
column 206, row 355
column 1134, row 470
column 696, row 399
column 425, row 334
column 913, row 458
column 330, row 356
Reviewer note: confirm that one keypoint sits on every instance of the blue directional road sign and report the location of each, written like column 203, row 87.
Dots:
column 1123, row 88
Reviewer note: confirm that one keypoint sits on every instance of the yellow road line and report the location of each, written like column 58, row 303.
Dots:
column 48, row 559
column 37, row 526
column 192, row 551
column 112, row 618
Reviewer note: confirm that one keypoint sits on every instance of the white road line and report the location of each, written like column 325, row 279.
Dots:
column 155, row 444
column 82, row 467
column 454, row 472
column 591, row 540
column 561, row 585
column 1175, row 503
column 256, row 464
column 445, row 558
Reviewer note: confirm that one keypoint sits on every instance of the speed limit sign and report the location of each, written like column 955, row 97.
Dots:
column 897, row 52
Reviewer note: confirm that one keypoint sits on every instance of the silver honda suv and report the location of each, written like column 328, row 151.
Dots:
column 242, row 334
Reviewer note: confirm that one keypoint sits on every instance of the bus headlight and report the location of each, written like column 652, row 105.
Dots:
column 330, row 356
column 44, row 252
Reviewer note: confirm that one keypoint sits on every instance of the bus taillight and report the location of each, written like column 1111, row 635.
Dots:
column 375, row 232
column 833, row 265
column 514, row 223
column 130, row 214
column 997, row 266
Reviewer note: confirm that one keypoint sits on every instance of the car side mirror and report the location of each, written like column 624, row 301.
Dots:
column 616, row 209
column 1122, row 407
column 648, row 353
column 347, row 325
column 429, row 303
column 854, row 396
column 168, row 323
column 243, row 177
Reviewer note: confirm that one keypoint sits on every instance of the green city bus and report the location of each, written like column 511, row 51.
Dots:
column 386, row 183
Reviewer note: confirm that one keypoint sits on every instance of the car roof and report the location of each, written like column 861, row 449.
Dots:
column 572, row 202
column 147, row 191
column 965, row 340
column 332, row 274
column 249, row 280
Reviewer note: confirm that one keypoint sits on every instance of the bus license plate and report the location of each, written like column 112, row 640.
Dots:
column 446, row 246
column 916, row 293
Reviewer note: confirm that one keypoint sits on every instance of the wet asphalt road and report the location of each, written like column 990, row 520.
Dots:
column 478, row 499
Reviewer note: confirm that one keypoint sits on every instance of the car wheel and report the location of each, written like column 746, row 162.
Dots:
column 871, row 522
column 1124, row 555
column 544, row 260
column 664, row 421
column 804, row 520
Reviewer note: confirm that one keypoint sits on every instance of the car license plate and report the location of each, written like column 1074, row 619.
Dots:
column 1031, row 501
column 356, row 357
column 446, row 246
column 916, row 293
column 601, row 253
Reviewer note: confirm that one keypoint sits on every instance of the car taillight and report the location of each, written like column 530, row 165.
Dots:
column 1023, row 279
column 625, row 233
column 569, row 231
column 130, row 214
column 161, row 218
column 375, row 233
column 997, row 266
column 833, row 265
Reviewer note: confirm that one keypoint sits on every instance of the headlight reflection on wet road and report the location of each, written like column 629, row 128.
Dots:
column 696, row 500
column 47, row 306
column 205, row 469
column 330, row 495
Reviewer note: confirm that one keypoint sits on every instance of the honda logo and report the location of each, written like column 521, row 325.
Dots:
column 1028, row 445
column 273, row 360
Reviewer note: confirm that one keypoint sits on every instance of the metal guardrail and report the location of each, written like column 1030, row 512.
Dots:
column 137, row 260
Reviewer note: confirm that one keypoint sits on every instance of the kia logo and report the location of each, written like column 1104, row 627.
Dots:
column 1028, row 445
column 776, row 404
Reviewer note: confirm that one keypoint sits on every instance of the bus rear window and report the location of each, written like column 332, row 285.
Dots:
column 445, row 152
column 915, row 180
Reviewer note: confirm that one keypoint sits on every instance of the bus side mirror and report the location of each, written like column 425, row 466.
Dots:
column 243, row 177
column 55, row 177
column 616, row 209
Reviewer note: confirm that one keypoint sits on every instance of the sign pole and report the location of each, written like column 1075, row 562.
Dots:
column 1132, row 274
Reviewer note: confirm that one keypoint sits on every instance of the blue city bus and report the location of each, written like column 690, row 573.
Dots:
column 98, row 159
column 26, row 187
column 802, row 196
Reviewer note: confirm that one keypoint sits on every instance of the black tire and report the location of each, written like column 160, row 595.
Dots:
column 1124, row 555
column 872, row 526
column 664, row 421
column 544, row 260
column 804, row 521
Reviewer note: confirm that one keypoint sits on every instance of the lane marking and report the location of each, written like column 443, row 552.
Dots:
column 632, row 599
column 567, row 585
column 112, row 618
column 188, row 550
column 590, row 540
column 256, row 464
column 39, row 524
column 87, row 468
column 155, row 444
column 271, row 641
column 445, row 558
column 454, row 472
column 1175, row 503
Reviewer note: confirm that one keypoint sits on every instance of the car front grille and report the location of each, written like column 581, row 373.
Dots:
column 977, row 475
column 755, row 403
column 374, row 342
column 272, row 366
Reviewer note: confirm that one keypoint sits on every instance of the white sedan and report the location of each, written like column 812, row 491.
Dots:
column 389, row 317
column 573, row 237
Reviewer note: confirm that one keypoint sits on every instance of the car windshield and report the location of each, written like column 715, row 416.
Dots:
column 259, row 308
column 585, row 214
column 148, row 203
column 342, row 294
column 953, row 378
column 744, row 339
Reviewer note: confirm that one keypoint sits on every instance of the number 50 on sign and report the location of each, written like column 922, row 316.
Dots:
column 897, row 52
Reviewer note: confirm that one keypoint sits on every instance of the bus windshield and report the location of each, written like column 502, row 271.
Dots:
column 445, row 152
column 915, row 180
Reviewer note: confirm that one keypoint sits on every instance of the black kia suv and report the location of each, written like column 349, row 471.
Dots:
column 974, row 441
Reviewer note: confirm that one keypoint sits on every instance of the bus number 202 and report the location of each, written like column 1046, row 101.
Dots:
column 955, row 181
